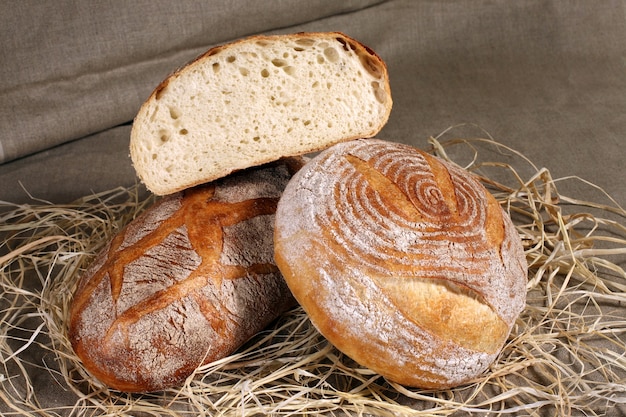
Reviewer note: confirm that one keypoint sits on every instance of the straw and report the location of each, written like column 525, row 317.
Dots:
column 565, row 355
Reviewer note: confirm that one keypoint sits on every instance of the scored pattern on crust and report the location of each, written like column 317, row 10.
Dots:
column 395, row 211
column 187, row 282
column 373, row 221
column 190, row 216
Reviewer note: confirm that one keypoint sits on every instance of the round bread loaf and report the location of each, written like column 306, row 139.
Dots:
column 184, row 284
column 405, row 262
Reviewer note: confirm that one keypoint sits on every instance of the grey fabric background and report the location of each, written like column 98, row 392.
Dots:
column 547, row 78
column 71, row 68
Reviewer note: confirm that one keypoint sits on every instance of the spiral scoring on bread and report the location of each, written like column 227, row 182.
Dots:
column 403, row 261
column 394, row 205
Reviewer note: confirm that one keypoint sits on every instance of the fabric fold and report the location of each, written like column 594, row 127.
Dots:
column 85, row 69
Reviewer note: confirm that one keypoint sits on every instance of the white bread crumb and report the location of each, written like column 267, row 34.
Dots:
column 255, row 101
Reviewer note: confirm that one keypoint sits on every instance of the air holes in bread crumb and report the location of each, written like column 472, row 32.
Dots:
column 183, row 131
column 244, row 71
column 289, row 70
column 370, row 65
column 231, row 59
column 331, row 54
column 265, row 73
column 305, row 42
column 216, row 67
column 160, row 90
column 344, row 43
column 279, row 62
column 164, row 136
column 174, row 113
column 378, row 92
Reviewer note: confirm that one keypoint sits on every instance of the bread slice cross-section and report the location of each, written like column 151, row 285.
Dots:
column 254, row 101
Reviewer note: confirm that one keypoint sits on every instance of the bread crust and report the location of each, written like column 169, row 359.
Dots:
column 403, row 261
column 186, row 283
column 145, row 145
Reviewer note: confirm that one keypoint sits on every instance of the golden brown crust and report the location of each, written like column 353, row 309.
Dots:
column 186, row 283
column 403, row 261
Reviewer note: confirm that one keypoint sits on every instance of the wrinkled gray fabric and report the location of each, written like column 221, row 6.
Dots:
column 72, row 68
column 547, row 78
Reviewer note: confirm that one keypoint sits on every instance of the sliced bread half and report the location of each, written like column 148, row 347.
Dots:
column 254, row 101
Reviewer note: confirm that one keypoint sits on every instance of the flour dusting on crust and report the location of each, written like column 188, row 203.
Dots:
column 368, row 217
column 186, row 283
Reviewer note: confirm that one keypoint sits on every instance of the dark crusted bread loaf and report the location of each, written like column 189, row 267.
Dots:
column 403, row 261
column 186, row 283
column 254, row 101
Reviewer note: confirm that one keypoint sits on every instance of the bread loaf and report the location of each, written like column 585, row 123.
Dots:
column 254, row 101
column 184, row 284
column 403, row 261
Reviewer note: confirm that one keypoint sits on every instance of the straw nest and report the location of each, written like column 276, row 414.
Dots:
column 565, row 355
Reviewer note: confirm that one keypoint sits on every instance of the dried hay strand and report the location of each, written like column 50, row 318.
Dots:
column 565, row 356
